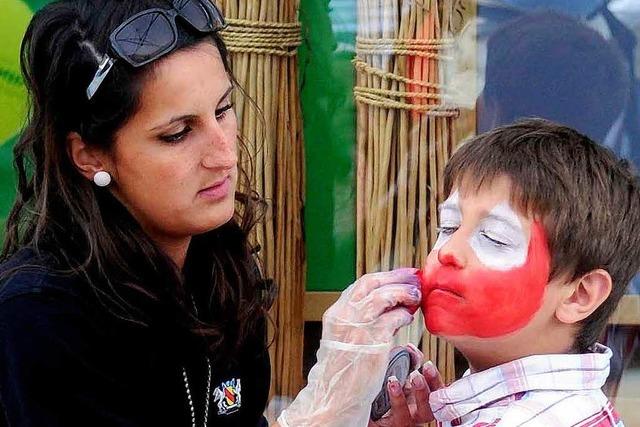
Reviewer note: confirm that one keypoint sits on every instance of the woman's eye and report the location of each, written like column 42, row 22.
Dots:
column 176, row 137
column 493, row 240
column 222, row 112
column 446, row 231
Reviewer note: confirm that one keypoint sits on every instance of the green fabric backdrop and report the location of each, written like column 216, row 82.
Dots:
column 13, row 22
column 326, row 95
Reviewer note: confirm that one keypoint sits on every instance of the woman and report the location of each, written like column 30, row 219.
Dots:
column 130, row 295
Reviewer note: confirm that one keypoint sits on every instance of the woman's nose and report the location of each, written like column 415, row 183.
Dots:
column 221, row 148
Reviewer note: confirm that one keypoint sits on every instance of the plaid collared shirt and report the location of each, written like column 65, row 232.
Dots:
column 545, row 390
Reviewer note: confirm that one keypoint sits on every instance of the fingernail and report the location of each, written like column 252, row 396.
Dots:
column 415, row 349
column 394, row 386
column 417, row 381
column 430, row 369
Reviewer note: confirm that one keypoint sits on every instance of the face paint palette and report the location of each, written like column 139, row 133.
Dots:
column 399, row 366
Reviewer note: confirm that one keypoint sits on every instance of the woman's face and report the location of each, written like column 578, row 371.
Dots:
column 175, row 161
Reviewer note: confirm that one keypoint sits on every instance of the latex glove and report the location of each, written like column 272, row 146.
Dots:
column 357, row 334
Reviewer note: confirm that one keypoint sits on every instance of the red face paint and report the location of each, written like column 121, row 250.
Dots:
column 480, row 302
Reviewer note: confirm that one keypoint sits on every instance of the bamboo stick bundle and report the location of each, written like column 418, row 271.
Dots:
column 262, row 38
column 404, row 137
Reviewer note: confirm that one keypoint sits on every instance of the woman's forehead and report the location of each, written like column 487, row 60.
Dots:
column 185, row 80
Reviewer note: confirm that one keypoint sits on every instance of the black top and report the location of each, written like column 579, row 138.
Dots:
column 62, row 364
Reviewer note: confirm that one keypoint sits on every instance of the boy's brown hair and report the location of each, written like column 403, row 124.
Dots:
column 587, row 199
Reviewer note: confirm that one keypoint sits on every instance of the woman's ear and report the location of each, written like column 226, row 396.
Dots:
column 583, row 296
column 87, row 160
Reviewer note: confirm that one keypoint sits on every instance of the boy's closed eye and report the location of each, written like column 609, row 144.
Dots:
column 446, row 230
column 493, row 239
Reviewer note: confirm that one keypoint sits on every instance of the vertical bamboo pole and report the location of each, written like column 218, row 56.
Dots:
column 402, row 154
column 361, row 168
column 272, row 130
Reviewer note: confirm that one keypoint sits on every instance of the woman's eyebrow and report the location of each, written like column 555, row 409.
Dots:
column 173, row 120
column 227, row 92
column 189, row 116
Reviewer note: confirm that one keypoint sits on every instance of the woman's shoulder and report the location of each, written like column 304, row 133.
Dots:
column 39, row 313
column 28, row 273
column 45, row 312
column 37, row 300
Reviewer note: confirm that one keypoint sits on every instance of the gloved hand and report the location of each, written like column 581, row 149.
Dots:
column 357, row 334
column 410, row 406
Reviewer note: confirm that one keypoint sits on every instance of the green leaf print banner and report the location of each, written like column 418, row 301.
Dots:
column 14, row 18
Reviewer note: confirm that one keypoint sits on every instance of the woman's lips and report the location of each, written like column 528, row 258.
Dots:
column 218, row 191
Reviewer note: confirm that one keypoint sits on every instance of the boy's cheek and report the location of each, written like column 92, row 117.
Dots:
column 489, row 310
column 493, row 303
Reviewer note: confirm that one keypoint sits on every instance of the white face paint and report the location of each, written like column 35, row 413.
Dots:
column 498, row 241
column 450, row 217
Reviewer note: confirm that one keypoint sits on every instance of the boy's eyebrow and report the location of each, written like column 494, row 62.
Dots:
column 448, row 205
column 503, row 218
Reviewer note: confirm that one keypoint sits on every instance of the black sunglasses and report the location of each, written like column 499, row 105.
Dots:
column 148, row 35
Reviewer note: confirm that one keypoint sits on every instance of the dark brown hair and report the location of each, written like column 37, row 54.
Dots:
column 587, row 199
column 85, row 229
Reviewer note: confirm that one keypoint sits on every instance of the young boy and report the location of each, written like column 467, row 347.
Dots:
column 539, row 236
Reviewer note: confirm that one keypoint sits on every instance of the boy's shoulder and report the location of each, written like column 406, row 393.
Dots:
column 589, row 408
column 539, row 390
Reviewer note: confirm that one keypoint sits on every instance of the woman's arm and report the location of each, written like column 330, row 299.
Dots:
column 357, row 334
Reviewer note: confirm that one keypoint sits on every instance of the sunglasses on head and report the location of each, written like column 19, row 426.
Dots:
column 148, row 35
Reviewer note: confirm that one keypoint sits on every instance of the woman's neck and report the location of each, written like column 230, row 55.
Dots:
column 176, row 249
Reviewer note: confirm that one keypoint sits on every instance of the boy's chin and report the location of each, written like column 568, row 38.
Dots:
column 457, row 340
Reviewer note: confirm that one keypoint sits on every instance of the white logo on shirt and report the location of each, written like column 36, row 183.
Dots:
column 228, row 396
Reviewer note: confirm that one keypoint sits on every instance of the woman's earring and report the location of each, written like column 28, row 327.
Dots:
column 102, row 179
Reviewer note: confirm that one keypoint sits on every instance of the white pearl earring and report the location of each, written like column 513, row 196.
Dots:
column 102, row 179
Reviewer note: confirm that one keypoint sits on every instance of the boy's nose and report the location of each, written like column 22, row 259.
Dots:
column 451, row 254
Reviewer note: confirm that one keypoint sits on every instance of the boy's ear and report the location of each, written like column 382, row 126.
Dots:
column 87, row 160
column 583, row 296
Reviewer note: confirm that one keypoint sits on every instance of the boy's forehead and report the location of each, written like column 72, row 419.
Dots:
column 486, row 195
column 469, row 189
column 452, row 202
column 491, row 198
column 469, row 185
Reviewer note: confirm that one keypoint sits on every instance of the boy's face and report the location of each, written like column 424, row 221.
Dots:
column 487, row 273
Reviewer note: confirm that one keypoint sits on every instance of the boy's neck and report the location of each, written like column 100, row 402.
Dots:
column 484, row 354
